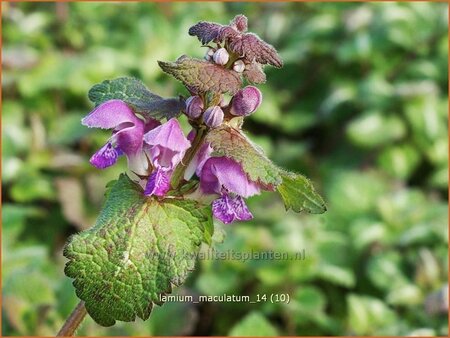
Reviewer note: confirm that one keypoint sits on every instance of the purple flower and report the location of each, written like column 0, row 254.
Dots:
column 194, row 107
column 225, row 177
column 199, row 159
column 213, row 116
column 158, row 183
column 239, row 66
column 128, row 131
column 167, row 146
column 229, row 209
column 246, row 101
column 221, row 56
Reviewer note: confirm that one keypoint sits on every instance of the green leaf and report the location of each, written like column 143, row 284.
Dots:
column 232, row 143
column 299, row 194
column 203, row 76
column 137, row 250
column 136, row 94
column 254, row 324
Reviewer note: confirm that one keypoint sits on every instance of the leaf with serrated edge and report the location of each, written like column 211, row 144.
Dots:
column 137, row 250
column 136, row 94
column 254, row 73
column 202, row 76
column 205, row 31
column 299, row 194
column 232, row 143
column 253, row 48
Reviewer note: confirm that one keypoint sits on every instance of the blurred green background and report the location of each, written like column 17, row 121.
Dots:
column 360, row 107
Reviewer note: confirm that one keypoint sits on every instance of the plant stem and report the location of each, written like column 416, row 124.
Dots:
column 179, row 171
column 74, row 320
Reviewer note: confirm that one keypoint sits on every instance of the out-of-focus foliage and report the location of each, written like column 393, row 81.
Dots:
column 360, row 107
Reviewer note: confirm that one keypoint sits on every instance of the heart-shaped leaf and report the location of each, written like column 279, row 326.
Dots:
column 137, row 250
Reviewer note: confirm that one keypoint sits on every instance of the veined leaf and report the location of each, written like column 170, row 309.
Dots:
column 254, row 73
column 299, row 194
column 136, row 94
column 202, row 76
column 232, row 143
column 137, row 250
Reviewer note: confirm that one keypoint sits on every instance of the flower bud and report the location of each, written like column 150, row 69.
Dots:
column 209, row 54
column 221, row 56
column 239, row 66
column 213, row 116
column 240, row 21
column 194, row 107
column 246, row 101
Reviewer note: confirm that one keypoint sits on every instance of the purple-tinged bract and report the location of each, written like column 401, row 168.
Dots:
column 205, row 31
column 240, row 23
column 252, row 48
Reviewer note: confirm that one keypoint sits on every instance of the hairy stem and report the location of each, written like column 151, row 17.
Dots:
column 178, row 174
column 74, row 320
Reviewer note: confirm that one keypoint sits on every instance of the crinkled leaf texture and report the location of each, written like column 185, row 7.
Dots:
column 299, row 194
column 136, row 94
column 230, row 142
column 138, row 249
column 246, row 45
column 252, row 48
column 206, row 31
column 254, row 73
column 296, row 190
column 202, row 76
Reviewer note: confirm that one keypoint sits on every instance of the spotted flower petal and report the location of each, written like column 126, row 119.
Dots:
column 241, row 211
column 128, row 131
column 105, row 157
column 223, row 210
column 158, row 183
column 229, row 209
column 252, row 48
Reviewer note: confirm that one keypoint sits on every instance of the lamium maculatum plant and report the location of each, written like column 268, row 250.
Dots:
column 154, row 218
